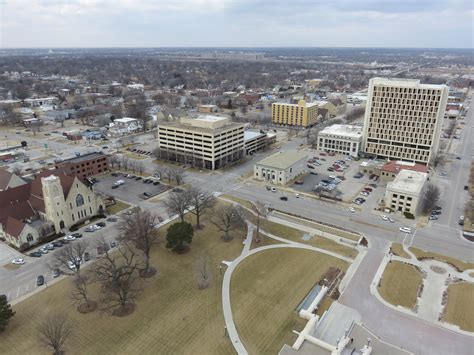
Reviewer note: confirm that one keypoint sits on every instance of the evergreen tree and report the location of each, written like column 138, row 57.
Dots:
column 5, row 312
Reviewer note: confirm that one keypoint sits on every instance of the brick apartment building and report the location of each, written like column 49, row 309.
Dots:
column 85, row 165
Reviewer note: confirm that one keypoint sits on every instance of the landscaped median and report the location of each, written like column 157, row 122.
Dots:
column 400, row 284
column 455, row 263
column 266, row 289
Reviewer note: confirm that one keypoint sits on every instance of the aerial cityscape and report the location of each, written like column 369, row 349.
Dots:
column 236, row 177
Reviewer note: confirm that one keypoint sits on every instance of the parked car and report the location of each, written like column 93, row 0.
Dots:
column 433, row 217
column 322, row 154
column 76, row 235
column 18, row 261
column 49, row 246
column 69, row 238
column 435, row 213
column 57, row 244
column 87, row 256
column 112, row 219
column 384, row 217
column 273, row 189
column 147, row 194
column 100, row 224
column 113, row 244
column 96, row 227
column 35, row 254
column 40, row 280
column 284, row 198
column 160, row 219
column 115, row 186
column 56, row 273
column 352, row 209
column 405, row 229
column 90, row 229
column 44, row 250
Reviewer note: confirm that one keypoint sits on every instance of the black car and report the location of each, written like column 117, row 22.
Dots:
column 40, row 280
column 147, row 194
column 57, row 244
column 434, row 213
column 115, row 186
column 156, row 183
column 111, row 219
column 56, row 273
column 87, row 256
column 177, row 189
column 35, row 254
column 77, row 235
column 115, row 174
column 101, row 224
column 437, row 208
column 138, row 178
column 284, row 198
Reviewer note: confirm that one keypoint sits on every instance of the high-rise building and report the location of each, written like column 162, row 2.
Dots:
column 403, row 119
column 302, row 114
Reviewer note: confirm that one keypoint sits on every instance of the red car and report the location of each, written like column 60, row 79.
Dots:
column 323, row 154
column 331, row 154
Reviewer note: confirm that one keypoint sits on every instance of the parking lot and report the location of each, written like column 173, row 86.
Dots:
column 131, row 191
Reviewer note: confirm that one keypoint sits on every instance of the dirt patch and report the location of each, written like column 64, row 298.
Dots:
column 88, row 307
column 438, row 269
column 11, row 266
column 124, row 311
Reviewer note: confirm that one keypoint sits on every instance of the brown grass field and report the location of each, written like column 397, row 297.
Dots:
column 397, row 249
column 171, row 317
column 461, row 265
column 459, row 310
column 264, row 304
column 117, row 207
column 400, row 284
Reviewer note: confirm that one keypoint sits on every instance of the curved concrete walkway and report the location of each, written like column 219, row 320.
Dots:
column 226, row 305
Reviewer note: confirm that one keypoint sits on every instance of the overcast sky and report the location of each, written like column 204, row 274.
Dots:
column 236, row 23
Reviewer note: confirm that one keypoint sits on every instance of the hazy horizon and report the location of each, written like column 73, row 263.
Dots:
column 422, row 24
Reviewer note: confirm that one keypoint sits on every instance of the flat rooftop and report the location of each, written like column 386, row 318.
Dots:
column 402, row 82
column 84, row 157
column 248, row 135
column 408, row 181
column 283, row 159
column 306, row 104
column 343, row 130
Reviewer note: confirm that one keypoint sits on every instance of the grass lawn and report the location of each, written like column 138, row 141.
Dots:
column 264, row 240
column 321, row 227
column 171, row 317
column 397, row 249
column 400, row 284
column 117, row 207
column 267, row 287
column 243, row 202
column 461, row 265
column 459, row 308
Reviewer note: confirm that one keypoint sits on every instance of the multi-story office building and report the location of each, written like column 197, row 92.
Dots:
column 208, row 142
column 85, row 165
column 301, row 114
column 341, row 139
column 403, row 119
column 404, row 194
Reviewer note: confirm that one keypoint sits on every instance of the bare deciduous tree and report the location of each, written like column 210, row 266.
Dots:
column 54, row 330
column 439, row 160
column 430, row 198
column 226, row 219
column 138, row 229
column 16, row 169
column 117, row 273
column 80, row 293
column 68, row 259
column 203, row 272
column 140, row 167
column 177, row 203
column 177, row 174
column 200, row 201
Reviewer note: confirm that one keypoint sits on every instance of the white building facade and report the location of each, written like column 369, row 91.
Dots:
column 403, row 119
column 341, row 139
column 208, row 142
column 405, row 193
column 124, row 126
column 282, row 167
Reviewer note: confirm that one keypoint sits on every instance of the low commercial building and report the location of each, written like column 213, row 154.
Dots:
column 282, row 167
column 371, row 167
column 9, row 180
column 391, row 169
column 123, row 126
column 208, row 108
column 255, row 141
column 302, row 114
column 85, row 165
column 38, row 102
column 208, row 142
column 341, row 139
column 405, row 193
